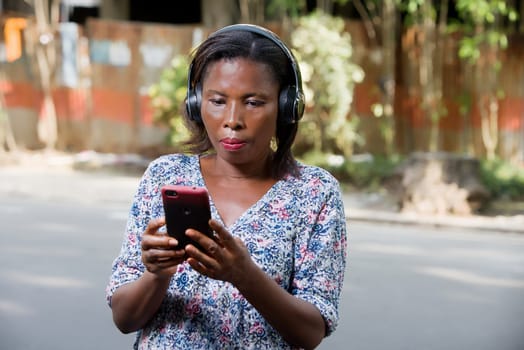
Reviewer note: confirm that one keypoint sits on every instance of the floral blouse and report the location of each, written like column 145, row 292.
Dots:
column 296, row 233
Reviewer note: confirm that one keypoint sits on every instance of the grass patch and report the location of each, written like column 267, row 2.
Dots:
column 503, row 179
column 364, row 172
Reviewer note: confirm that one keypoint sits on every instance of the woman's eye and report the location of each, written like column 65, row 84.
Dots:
column 254, row 103
column 217, row 101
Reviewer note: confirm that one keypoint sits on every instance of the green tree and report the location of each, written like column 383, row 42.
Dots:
column 324, row 50
column 430, row 24
column 484, row 26
column 381, row 22
column 167, row 99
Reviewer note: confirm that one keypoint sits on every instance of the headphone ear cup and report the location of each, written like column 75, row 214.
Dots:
column 300, row 105
column 193, row 103
column 285, row 106
column 290, row 105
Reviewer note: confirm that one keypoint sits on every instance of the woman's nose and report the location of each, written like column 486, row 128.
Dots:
column 234, row 119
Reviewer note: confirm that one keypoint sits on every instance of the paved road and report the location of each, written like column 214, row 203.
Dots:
column 55, row 261
column 410, row 287
column 407, row 287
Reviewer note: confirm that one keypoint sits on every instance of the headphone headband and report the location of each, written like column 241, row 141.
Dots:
column 274, row 38
column 291, row 99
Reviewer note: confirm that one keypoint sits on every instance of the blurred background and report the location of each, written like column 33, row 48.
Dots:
column 416, row 106
column 388, row 83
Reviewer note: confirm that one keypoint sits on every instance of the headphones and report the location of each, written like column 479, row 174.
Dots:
column 291, row 99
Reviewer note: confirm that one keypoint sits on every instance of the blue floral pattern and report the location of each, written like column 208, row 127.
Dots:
column 296, row 233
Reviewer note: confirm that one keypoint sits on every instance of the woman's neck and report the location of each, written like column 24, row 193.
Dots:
column 254, row 171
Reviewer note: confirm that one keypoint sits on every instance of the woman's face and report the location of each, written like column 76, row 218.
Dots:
column 239, row 109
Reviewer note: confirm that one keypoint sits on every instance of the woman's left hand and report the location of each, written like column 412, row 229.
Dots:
column 225, row 258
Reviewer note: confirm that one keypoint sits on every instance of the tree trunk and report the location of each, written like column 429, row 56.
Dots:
column 389, row 39
column 47, row 124
column 7, row 139
column 428, row 75
column 252, row 11
column 487, row 85
column 45, row 50
column 489, row 107
column 219, row 13
column 325, row 5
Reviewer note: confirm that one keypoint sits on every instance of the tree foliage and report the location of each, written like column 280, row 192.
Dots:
column 324, row 49
column 484, row 25
column 167, row 99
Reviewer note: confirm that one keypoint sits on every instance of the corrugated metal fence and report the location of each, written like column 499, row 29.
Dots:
column 107, row 67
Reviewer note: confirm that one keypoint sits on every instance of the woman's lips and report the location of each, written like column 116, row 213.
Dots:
column 232, row 144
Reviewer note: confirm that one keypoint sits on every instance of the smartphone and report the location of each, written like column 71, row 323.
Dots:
column 186, row 207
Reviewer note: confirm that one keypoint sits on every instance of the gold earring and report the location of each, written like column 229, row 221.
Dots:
column 273, row 144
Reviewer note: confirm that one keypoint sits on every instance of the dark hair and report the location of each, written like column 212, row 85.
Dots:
column 245, row 44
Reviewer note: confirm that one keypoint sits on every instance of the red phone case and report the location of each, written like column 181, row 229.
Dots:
column 186, row 207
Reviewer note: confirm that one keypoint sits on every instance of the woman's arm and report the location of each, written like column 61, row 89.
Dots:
column 299, row 322
column 134, row 304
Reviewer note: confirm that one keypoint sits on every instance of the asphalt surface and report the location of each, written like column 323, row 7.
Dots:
column 406, row 287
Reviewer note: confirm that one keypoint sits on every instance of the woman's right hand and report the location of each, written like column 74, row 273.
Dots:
column 159, row 253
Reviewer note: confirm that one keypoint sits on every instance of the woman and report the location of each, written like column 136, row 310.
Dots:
column 271, row 278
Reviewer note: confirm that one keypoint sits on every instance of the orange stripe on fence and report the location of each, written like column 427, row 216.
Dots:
column 20, row 94
column 114, row 105
column 146, row 110
column 71, row 103
column 512, row 113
